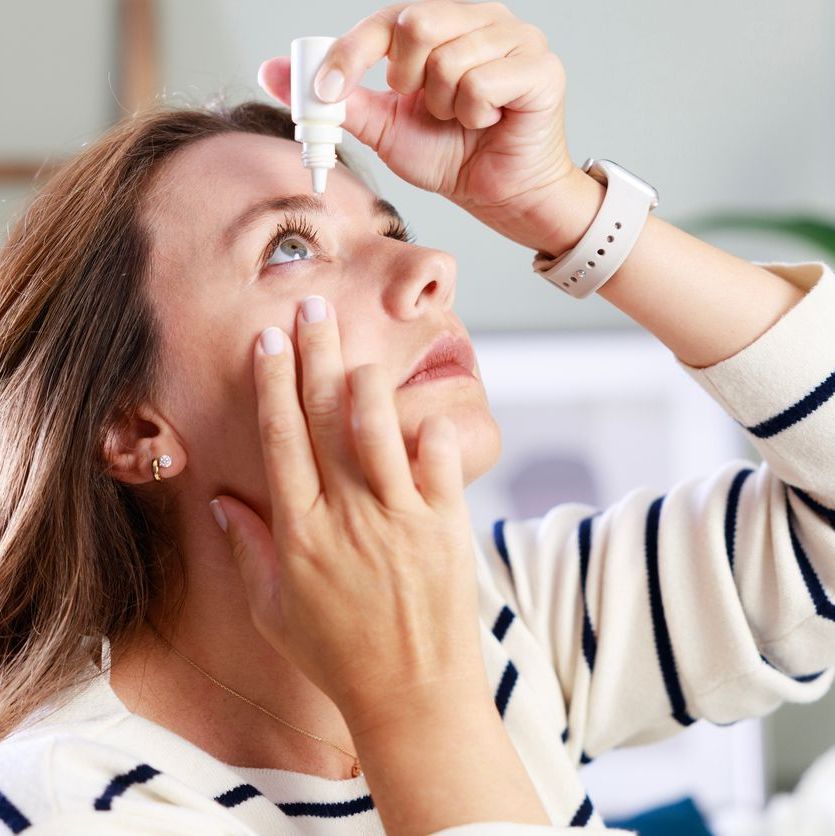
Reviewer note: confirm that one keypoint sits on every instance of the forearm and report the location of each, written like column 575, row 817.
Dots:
column 704, row 304
column 444, row 762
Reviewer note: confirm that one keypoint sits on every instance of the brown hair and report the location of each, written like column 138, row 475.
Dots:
column 82, row 553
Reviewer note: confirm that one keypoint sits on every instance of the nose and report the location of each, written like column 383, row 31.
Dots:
column 419, row 278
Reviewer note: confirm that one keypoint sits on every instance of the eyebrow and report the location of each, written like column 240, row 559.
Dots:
column 292, row 203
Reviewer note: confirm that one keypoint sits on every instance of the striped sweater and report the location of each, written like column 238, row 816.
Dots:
column 600, row 627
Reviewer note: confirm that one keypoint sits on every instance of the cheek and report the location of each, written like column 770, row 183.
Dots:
column 208, row 386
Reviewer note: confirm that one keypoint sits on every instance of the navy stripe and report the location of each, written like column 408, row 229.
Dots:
column 11, row 816
column 584, row 758
column 237, row 795
column 798, row 411
column 663, row 645
column 823, row 606
column 827, row 513
column 805, row 677
column 498, row 539
column 138, row 775
column 583, row 814
column 328, row 810
column 589, row 640
column 564, row 734
column 730, row 513
column 503, row 621
column 505, row 688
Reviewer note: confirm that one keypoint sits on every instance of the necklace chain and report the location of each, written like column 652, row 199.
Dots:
column 355, row 770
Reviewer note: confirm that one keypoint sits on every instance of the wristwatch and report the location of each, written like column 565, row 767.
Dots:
column 611, row 236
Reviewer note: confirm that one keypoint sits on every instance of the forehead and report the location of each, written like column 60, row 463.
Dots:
column 209, row 182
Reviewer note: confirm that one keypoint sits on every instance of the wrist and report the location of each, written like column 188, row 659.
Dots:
column 433, row 702
column 567, row 216
column 469, row 769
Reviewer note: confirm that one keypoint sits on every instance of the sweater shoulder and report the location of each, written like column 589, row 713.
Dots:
column 62, row 780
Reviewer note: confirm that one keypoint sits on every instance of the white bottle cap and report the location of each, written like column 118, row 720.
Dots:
column 317, row 122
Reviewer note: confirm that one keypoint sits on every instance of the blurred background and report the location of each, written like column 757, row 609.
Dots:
column 726, row 108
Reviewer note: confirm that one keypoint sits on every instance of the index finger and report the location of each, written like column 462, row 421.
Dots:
column 292, row 476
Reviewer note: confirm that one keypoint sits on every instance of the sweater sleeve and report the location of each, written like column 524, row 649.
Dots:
column 713, row 600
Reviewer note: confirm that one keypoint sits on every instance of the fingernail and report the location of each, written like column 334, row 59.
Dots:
column 217, row 511
column 272, row 340
column 329, row 86
column 314, row 308
column 262, row 76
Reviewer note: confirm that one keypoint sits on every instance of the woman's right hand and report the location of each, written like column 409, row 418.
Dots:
column 367, row 582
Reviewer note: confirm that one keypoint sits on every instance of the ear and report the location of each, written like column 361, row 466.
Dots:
column 132, row 444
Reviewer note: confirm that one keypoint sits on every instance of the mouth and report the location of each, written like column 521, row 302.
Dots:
column 449, row 356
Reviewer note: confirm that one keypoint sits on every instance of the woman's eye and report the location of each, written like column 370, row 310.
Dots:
column 290, row 249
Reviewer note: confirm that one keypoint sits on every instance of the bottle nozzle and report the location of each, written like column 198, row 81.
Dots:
column 320, row 177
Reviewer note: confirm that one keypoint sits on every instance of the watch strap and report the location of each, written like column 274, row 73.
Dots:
column 611, row 236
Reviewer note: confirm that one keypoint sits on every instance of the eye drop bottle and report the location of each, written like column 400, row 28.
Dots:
column 317, row 122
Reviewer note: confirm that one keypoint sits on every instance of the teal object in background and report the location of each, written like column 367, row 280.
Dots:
column 681, row 818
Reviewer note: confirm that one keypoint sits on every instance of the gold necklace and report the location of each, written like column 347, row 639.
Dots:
column 355, row 769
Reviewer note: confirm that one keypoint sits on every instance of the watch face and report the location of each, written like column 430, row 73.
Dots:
column 598, row 169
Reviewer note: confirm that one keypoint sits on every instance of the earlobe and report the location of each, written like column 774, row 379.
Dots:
column 143, row 449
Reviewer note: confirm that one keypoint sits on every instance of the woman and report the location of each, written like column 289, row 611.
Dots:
column 182, row 320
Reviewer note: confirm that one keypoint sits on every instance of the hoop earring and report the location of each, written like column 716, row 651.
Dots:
column 157, row 463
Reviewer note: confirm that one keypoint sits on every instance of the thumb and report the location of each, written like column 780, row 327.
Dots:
column 367, row 112
column 252, row 548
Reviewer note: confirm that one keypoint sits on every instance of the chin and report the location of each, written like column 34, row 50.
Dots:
column 479, row 435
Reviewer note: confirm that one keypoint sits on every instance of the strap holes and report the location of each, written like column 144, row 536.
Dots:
column 601, row 252
column 617, row 224
column 590, row 263
column 610, row 238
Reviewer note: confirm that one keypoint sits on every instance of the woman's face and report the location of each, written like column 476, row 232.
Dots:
column 214, row 294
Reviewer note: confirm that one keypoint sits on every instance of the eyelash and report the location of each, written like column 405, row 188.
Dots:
column 297, row 226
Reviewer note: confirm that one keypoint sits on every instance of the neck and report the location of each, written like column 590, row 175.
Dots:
column 215, row 631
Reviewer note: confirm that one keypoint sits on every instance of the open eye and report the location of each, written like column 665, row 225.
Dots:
column 292, row 248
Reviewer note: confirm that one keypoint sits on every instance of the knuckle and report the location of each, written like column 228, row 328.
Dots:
column 534, row 34
column 474, row 87
column 499, row 9
column 440, row 62
column 296, row 535
column 555, row 68
column 438, row 102
column 279, row 431
column 317, row 338
column 276, row 370
column 397, row 80
column 321, row 404
column 415, row 24
column 238, row 548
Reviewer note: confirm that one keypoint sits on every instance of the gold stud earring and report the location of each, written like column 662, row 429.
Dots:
column 157, row 463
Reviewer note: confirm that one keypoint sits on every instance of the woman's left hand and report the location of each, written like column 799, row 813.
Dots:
column 475, row 113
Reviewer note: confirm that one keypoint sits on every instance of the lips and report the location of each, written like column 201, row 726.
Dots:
column 446, row 350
